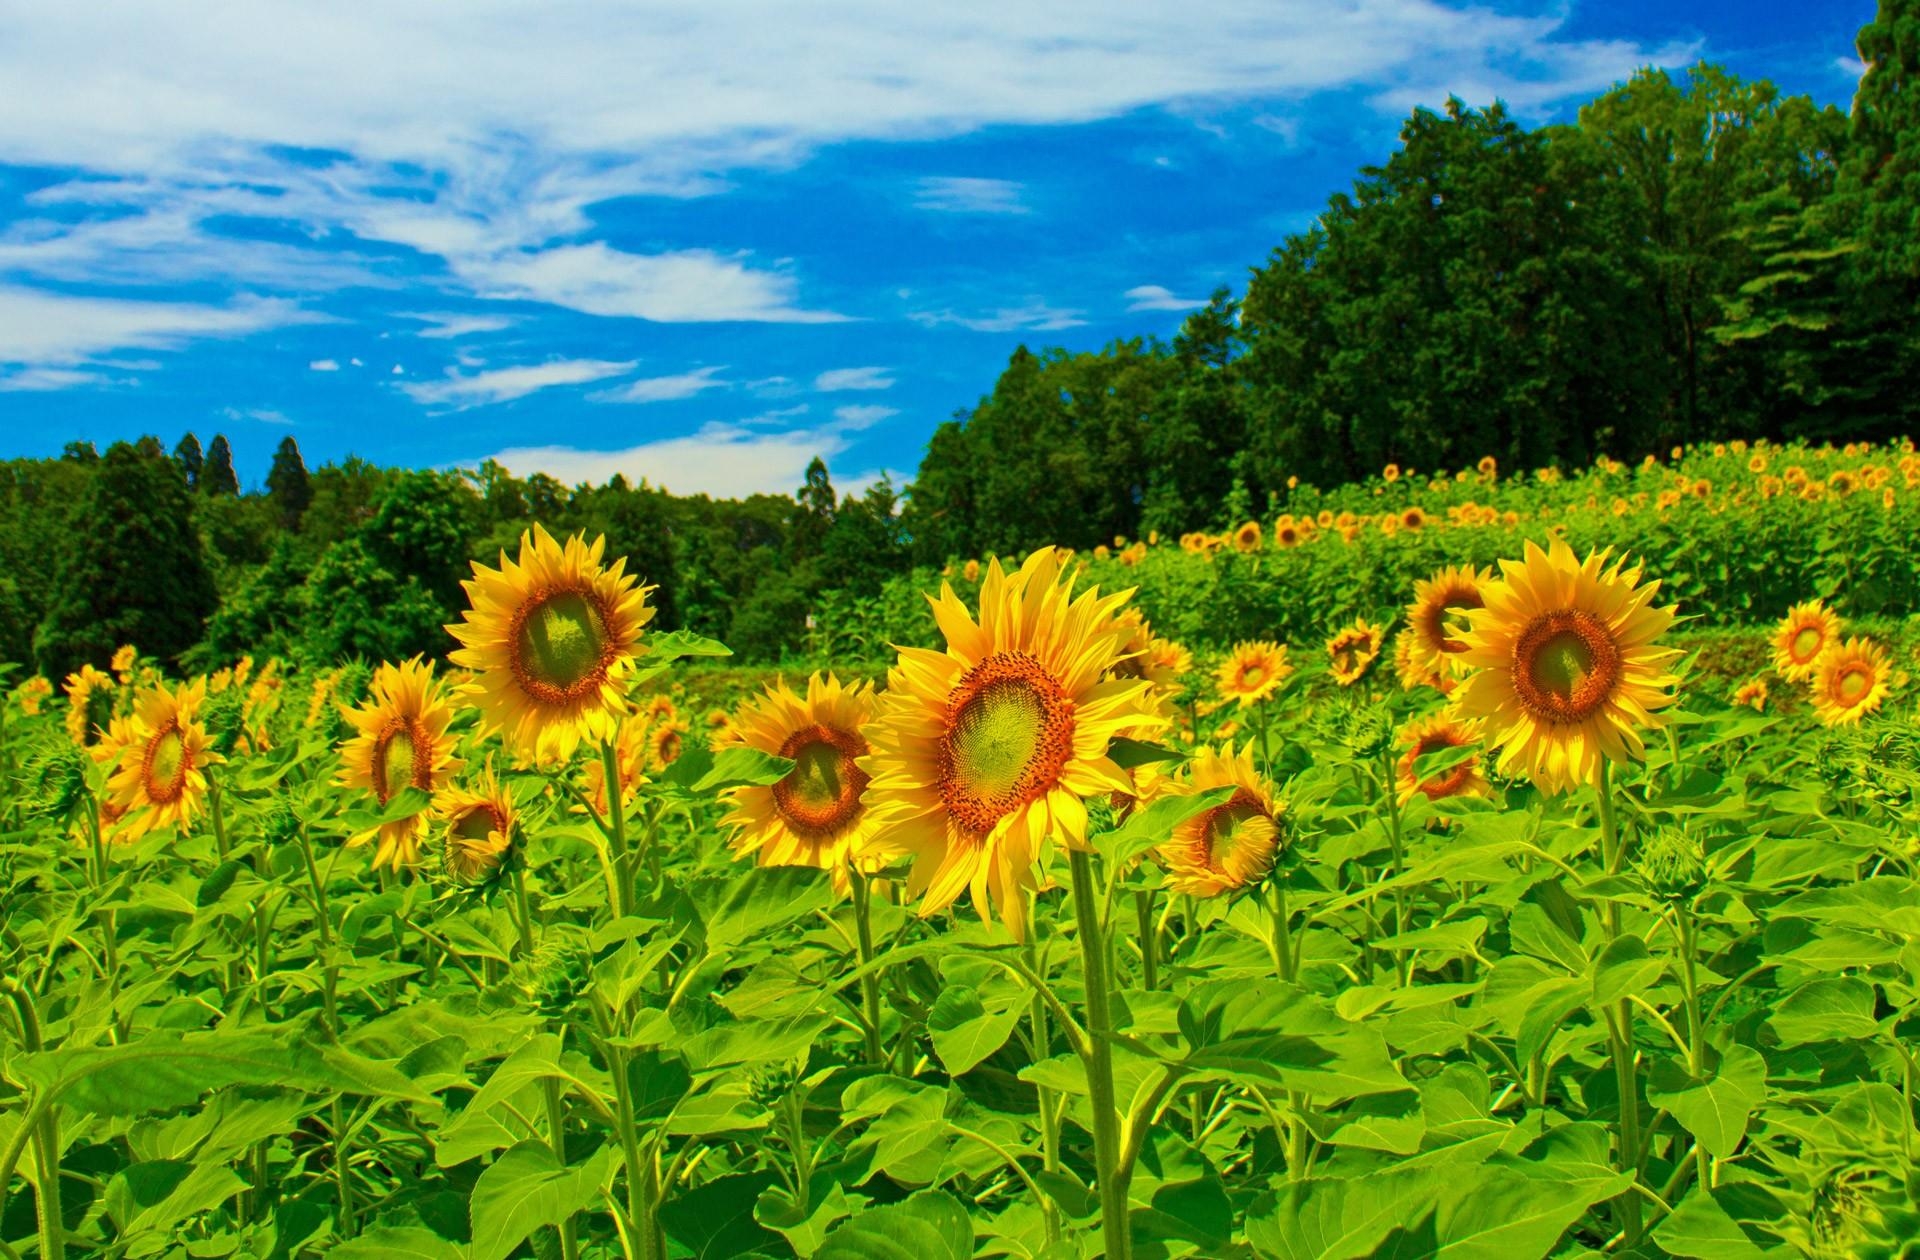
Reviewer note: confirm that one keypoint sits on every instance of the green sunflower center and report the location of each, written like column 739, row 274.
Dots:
column 1852, row 685
column 1009, row 735
column 476, row 823
column 166, row 766
column 1253, row 676
column 562, row 646
column 1566, row 666
column 1806, row 643
column 99, row 712
column 820, row 796
column 400, row 758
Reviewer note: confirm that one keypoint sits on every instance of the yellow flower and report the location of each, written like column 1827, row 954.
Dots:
column 32, row 693
column 632, row 758
column 1413, row 518
column 970, row 571
column 1758, row 464
column 1851, row 682
column 1352, row 651
column 1287, row 533
column 1488, row 466
column 1248, row 536
column 1752, row 694
column 89, row 704
column 1227, row 847
column 123, row 661
column 551, row 639
column 1444, row 596
column 1565, row 670
column 159, row 775
column 401, row 741
column 817, row 815
column 983, row 751
column 1430, row 735
column 665, row 740
column 477, row 830
column 1415, row 668
column 1253, row 671
column 1391, row 472
column 1803, row 634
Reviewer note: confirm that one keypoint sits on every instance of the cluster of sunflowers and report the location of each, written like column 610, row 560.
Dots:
column 1845, row 679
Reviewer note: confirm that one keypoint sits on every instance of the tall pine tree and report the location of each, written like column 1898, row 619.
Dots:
column 216, row 475
column 191, row 459
column 287, row 484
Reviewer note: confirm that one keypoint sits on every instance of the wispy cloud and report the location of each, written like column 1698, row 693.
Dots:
column 665, row 388
column 1034, row 317
column 721, row 459
column 441, row 325
column 40, row 328
column 955, row 194
column 1153, row 297
column 264, row 415
column 853, row 378
column 863, row 416
column 689, row 286
column 506, row 384
column 324, row 365
column 43, row 379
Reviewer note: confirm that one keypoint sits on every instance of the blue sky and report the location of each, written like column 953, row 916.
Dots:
column 701, row 242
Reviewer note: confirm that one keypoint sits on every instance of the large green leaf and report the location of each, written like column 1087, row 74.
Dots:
column 964, row 1031
column 931, row 1225
column 1716, row 1109
column 526, row 1189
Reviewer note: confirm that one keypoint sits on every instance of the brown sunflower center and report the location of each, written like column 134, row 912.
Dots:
column 402, row 757
column 1565, row 666
column 1253, row 675
column 1445, row 607
column 820, row 796
column 1852, row 683
column 1009, row 734
column 477, row 822
column 1806, row 644
column 165, row 765
column 1219, row 834
column 666, row 746
column 562, row 646
column 1449, row 782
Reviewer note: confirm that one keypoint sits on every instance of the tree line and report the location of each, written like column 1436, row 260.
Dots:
column 1693, row 257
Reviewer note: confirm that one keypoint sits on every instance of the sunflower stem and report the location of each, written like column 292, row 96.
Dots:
column 46, row 1135
column 617, row 828
column 109, row 925
column 1099, row 1061
column 1042, row 1048
column 1149, row 939
column 523, row 912
column 869, row 982
column 1279, row 943
column 1620, row 1022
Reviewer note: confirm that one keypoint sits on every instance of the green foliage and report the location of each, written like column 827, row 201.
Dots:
column 216, row 473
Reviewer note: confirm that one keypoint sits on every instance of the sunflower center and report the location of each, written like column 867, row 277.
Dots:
column 1565, row 666
column 1009, row 734
column 477, row 823
column 820, row 796
column 1445, row 615
column 167, row 763
column 561, row 646
column 1806, row 643
column 1449, row 782
column 99, row 712
column 1852, row 685
column 402, row 757
column 1252, row 675
column 1222, row 829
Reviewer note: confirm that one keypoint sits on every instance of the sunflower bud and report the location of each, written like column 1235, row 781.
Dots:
column 54, row 777
column 1672, row 864
column 225, row 717
column 558, row 974
column 1368, row 733
column 771, row 1083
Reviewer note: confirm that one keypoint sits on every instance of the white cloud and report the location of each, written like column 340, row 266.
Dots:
column 665, row 388
column 44, row 379
column 724, row 460
column 1032, row 317
column 852, row 378
column 41, row 328
column 445, row 326
column 356, row 363
column 955, row 194
column 265, row 415
column 398, row 370
column 507, row 384
column 324, row 365
column 688, row 286
column 1153, row 297
column 863, row 417
column 1852, row 67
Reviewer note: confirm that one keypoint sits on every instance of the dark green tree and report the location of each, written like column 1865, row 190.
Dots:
column 216, row 474
column 191, row 459
column 133, row 572
column 288, row 485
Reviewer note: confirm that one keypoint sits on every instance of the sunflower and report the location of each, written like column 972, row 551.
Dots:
column 970, row 571
column 1414, row 668
column 1489, row 466
column 1289, row 533
column 817, row 815
column 1391, row 472
column 1803, row 634
column 124, row 658
column 551, row 639
column 159, row 774
column 1248, row 537
column 1413, row 518
column 477, row 830
column 32, row 694
column 1352, row 651
column 1227, row 847
column 1445, row 595
column 1564, row 667
column 1253, row 671
column 401, row 741
column 665, row 741
column 1850, row 682
column 983, row 751
column 1752, row 694
column 660, row 708
column 89, row 704
column 1430, row 735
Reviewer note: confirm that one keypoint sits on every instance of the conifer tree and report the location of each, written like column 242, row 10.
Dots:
column 217, row 475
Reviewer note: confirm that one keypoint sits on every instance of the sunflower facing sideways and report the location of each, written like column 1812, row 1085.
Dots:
column 477, row 830
column 1434, row 734
column 817, row 815
column 400, row 741
column 159, row 777
column 1564, row 667
column 1806, row 631
column 1413, row 667
column 1230, row 846
column 89, row 704
column 1432, row 617
column 1352, row 651
column 1253, row 671
column 551, row 639
column 983, row 752
column 1851, row 682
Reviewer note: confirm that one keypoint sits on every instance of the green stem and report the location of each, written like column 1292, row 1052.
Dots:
column 617, row 830
column 869, row 981
column 1099, row 1061
column 1696, row 1027
column 1620, row 1025
column 1279, row 941
column 46, row 1137
column 1149, row 939
column 557, row 1135
column 523, row 912
column 1401, row 917
column 109, row 925
column 1042, row 1049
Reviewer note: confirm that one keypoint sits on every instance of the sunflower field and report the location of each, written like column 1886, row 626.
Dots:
column 1392, row 875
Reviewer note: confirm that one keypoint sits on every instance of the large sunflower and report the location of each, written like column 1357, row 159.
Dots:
column 159, row 776
column 1253, row 671
column 1437, row 601
column 1352, row 651
column 550, row 639
column 476, row 830
column 817, row 815
column 1564, row 667
column 1806, row 631
column 1431, row 735
column 983, row 751
column 401, row 742
column 1229, row 846
column 89, row 704
column 1851, row 682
